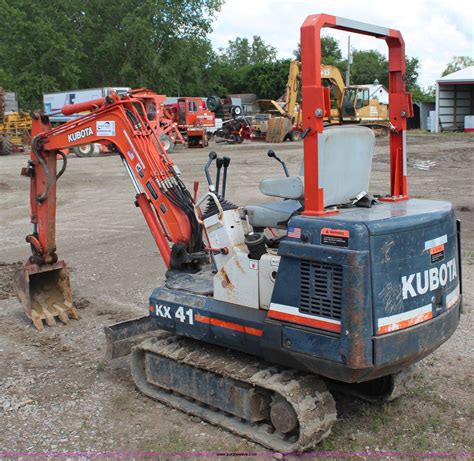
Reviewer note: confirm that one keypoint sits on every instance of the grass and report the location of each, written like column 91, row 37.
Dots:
column 174, row 441
column 466, row 382
column 468, row 257
column 419, row 421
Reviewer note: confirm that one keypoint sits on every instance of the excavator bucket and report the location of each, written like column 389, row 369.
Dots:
column 45, row 292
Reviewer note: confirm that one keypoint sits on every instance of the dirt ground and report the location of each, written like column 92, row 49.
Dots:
column 58, row 394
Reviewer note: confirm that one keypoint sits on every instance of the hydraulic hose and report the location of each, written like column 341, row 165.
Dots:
column 37, row 153
column 64, row 165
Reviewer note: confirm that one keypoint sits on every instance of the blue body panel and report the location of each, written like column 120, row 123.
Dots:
column 204, row 308
column 369, row 271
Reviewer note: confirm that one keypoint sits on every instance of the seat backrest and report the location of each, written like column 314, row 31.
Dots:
column 345, row 161
column 289, row 188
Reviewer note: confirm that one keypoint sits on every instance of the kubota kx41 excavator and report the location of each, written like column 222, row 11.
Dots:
column 248, row 332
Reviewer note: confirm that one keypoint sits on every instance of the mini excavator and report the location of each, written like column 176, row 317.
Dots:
column 253, row 331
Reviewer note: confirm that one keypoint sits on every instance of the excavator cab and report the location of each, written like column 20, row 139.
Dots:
column 349, row 103
column 45, row 293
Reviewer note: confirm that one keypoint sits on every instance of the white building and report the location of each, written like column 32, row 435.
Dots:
column 454, row 100
column 377, row 91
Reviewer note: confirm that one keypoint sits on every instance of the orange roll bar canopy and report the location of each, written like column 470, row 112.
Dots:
column 315, row 104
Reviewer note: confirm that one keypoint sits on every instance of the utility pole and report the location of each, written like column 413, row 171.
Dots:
column 349, row 61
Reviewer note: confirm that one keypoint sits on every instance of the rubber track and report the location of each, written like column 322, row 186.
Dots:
column 308, row 394
column 402, row 382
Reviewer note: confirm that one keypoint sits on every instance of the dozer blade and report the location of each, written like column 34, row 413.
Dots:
column 45, row 292
column 122, row 337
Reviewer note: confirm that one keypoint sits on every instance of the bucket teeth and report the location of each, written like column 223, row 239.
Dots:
column 61, row 313
column 42, row 311
column 47, row 313
column 37, row 320
column 71, row 310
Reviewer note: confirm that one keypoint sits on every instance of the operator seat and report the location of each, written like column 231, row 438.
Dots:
column 345, row 160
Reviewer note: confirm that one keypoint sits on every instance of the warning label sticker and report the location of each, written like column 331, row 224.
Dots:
column 334, row 237
column 437, row 254
column 105, row 128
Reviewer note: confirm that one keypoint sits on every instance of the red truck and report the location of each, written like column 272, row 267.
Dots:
column 193, row 119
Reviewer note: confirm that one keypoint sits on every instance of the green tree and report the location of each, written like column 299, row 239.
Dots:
column 240, row 52
column 423, row 95
column 267, row 80
column 37, row 51
column 368, row 65
column 237, row 66
column 330, row 51
column 260, row 52
column 53, row 46
column 186, row 69
column 412, row 73
column 458, row 63
column 144, row 39
column 237, row 53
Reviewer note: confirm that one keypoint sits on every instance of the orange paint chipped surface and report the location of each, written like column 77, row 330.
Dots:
column 228, row 325
column 305, row 321
column 405, row 323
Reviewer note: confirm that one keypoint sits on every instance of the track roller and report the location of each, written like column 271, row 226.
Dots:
column 284, row 410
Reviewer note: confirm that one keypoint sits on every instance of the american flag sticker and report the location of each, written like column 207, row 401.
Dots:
column 294, row 232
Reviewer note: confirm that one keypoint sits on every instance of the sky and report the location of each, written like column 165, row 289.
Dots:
column 434, row 31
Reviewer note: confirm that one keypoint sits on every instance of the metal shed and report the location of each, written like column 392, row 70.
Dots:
column 454, row 99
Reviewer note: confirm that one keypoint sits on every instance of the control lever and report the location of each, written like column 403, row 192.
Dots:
column 212, row 157
column 305, row 133
column 196, row 188
column 219, row 164
column 226, row 161
column 271, row 154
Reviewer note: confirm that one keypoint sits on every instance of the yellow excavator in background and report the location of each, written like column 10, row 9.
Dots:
column 349, row 105
column 278, row 122
column 331, row 76
column 358, row 107
column 15, row 127
column 286, row 122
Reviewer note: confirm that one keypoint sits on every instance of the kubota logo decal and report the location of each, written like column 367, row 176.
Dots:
column 80, row 134
column 420, row 283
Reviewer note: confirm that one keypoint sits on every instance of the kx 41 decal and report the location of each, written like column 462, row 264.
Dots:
column 184, row 316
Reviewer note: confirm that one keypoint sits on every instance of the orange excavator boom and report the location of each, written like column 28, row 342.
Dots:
column 120, row 122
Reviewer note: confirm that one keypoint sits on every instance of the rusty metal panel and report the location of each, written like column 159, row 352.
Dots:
column 239, row 399
column 121, row 337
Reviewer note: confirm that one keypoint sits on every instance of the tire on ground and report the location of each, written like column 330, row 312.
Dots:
column 167, row 143
column 86, row 150
column 6, row 146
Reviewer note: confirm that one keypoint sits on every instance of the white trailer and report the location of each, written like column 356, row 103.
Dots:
column 52, row 102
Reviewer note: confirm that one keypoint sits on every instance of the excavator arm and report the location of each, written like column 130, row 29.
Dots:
column 293, row 89
column 330, row 75
column 333, row 75
column 168, row 208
